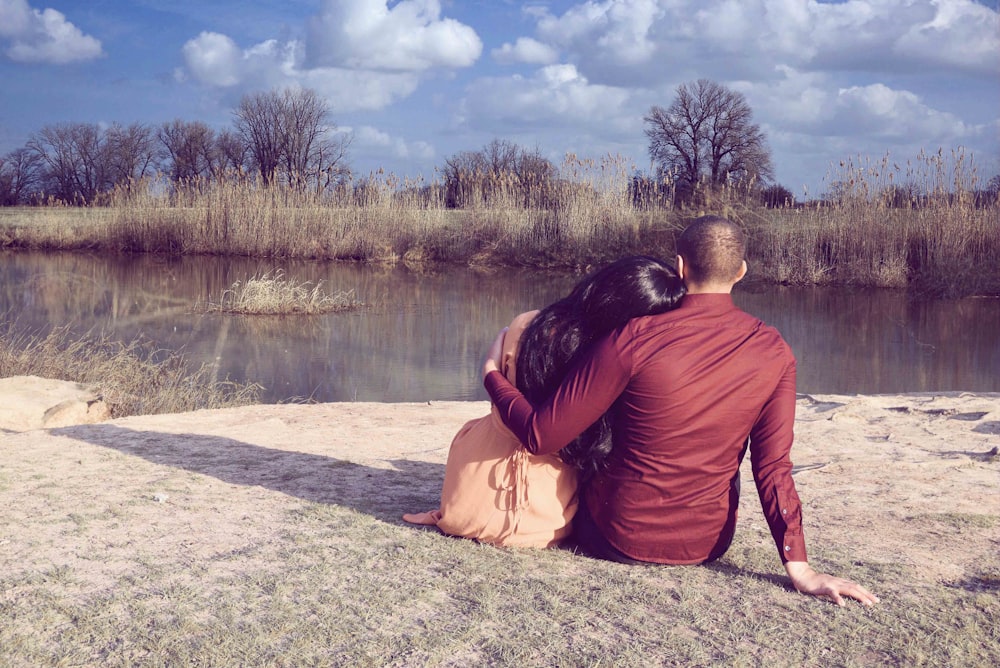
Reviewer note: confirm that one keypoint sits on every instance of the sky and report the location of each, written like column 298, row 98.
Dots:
column 417, row 81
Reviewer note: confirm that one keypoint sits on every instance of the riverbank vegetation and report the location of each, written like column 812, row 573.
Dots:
column 134, row 378
column 278, row 184
column 274, row 294
column 930, row 225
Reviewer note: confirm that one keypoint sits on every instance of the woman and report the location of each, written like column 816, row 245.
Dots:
column 493, row 490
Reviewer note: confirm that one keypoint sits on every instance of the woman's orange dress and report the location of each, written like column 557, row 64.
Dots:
column 494, row 491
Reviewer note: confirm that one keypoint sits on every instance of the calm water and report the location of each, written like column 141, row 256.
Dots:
column 424, row 336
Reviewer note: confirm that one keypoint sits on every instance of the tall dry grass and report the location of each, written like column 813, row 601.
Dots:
column 134, row 378
column 923, row 225
column 579, row 219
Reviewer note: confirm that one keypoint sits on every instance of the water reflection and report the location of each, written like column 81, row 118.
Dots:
column 878, row 341
column 424, row 335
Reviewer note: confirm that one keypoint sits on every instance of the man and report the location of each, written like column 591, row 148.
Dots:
column 690, row 391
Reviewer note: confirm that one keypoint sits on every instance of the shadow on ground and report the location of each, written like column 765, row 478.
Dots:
column 384, row 493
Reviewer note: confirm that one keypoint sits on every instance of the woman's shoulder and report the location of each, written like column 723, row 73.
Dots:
column 523, row 320
column 519, row 324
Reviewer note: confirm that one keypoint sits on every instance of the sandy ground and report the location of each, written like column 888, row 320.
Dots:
column 903, row 479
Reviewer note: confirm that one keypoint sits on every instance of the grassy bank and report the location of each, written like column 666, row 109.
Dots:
column 133, row 378
column 272, row 537
column 412, row 599
column 935, row 235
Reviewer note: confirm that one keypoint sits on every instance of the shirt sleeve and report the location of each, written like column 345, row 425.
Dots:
column 585, row 394
column 770, row 456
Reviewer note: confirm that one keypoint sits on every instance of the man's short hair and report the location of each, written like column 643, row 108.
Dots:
column 713, row 249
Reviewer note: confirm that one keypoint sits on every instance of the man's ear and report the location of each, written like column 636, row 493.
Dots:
column 680, row 267
column 742, row 272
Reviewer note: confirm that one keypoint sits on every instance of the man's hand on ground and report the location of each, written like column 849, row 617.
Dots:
column 809, row 581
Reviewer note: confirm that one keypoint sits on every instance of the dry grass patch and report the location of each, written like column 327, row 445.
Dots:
column 274, row 294
column 336, row 587
column 134, row 378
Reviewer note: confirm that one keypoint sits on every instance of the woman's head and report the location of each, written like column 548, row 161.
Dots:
column 603, row 301
column 626, row 289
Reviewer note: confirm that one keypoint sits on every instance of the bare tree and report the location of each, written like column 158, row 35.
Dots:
column 189, row 149
column 289, row 132
column 500, row 167
column 80, row 161
column 330, row 162
column 231, row 154
column 131, row 152
column 463, row 174
column 75, row 160
column 258, row 121
column 777, row 196
column 990, row 195
column 304, row 117
column 707, row 135
column 20, row 176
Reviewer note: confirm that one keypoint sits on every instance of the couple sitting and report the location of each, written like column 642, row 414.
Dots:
column 661, row 365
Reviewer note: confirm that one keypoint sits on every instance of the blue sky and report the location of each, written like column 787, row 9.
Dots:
column 416, row 81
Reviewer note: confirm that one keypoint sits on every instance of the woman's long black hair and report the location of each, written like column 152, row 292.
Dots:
column 562, row 331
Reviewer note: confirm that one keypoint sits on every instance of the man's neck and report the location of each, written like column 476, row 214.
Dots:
column 709, row 289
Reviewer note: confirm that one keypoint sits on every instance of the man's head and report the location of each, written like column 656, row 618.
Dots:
column 710, row 255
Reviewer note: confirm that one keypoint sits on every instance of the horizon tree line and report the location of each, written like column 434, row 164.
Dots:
column 703, row 142
column 281, row 136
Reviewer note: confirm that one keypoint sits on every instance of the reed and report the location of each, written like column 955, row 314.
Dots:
column 134, row 378
column 923, row 225
column 274, row 294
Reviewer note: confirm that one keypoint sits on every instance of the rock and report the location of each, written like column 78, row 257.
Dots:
column 30, row 402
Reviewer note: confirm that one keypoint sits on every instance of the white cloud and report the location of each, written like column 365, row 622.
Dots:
column 556, row 100
column 810, row 103
column 792, row 98
column 15, row 17
column 616, row 35
column 409, row 37
column 43, row 36
column 379, row 144
column 357, row 90
column 825, row 80
column 525, row 50
column 216, row 60
column 812, row 124
column 878, row 111
column 822, row 78
column 360, row 55
column 647, row 42
column 963, row 34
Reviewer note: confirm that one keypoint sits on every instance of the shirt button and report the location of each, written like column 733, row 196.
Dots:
column 784, row 511
column 788, row 548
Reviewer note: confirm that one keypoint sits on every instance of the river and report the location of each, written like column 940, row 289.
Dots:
column 422, row 335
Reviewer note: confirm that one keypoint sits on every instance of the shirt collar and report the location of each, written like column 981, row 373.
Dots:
column 708, row 301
